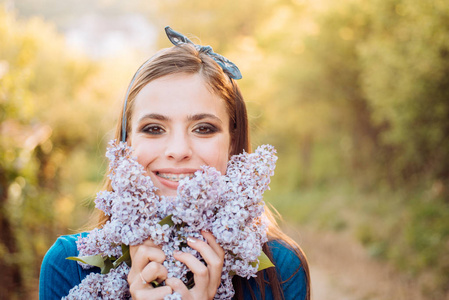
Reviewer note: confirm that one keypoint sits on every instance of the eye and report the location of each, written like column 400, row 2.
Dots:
column 205, row 129
column 153, row 129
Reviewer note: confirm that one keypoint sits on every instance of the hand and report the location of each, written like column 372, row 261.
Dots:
column 207, row 278
column 147, row 260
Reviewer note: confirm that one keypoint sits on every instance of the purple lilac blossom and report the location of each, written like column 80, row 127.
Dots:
column 109, row 286
column 230, row 206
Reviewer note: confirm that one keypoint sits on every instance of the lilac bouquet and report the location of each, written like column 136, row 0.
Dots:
column 229, row 206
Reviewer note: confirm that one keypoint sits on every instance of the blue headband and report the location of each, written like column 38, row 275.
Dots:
column 178, row 39
column 229, row 67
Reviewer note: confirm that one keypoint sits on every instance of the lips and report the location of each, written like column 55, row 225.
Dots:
column 170, row 177
column 174, row 176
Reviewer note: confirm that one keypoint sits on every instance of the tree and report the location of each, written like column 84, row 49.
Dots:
column 406, row 79
column 52, row 112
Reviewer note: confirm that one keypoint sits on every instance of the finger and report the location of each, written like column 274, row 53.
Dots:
column 153, row 293
column 213, row 255
column 154, row 272
column 209, row 254
column 141, row 284
column 213, row 243
column 178, row 286
column 199, row 270
column 142, row 254
column 147, row 243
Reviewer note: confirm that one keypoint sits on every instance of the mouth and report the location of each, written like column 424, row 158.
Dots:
column 174, row 177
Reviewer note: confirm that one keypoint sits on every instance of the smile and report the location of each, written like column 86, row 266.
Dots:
column 174, row 177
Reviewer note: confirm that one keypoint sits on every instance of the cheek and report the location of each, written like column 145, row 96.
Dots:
column 143, row 153
column 221, row 164
column 217, row 156
column 143, row 157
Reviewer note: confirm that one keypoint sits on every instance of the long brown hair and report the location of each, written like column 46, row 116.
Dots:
column 187, row 59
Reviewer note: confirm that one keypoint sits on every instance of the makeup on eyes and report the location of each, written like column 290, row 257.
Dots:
column 206, row 129
column 155, row 129
column 178, row 123
column 203, row 128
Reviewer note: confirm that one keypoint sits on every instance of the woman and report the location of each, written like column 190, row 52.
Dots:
column 184, row 110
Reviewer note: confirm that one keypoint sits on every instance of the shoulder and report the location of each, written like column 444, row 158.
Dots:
column 290, row 269
column 284, row 255
column 63, row 247
column 58, row 274
column 66, row 243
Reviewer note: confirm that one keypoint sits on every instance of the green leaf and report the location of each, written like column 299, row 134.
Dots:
column 94, row 260
column 167, row 220
column 107, row 265
column 264, row 262
column 154, row 283
column 125, row 248
column 126, row 257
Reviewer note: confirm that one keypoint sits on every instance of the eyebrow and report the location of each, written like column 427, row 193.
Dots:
column 196, row 117
column 199, row 117
column 154, row 116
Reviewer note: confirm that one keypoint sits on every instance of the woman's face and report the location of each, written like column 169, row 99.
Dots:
column 177, row 126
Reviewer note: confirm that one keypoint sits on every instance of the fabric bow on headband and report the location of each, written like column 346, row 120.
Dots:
column 178, row 39
column 229, row 67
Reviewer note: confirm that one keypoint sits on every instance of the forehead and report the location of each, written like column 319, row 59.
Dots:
column 178, row 95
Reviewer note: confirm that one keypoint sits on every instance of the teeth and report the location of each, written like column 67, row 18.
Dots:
column 174, row 177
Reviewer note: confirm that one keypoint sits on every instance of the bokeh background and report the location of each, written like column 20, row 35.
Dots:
column 353, row 94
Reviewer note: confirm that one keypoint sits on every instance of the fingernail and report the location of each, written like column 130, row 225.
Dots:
column 177, row 252
column 192, row 240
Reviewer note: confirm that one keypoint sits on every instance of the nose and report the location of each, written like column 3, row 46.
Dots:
column 178, row 147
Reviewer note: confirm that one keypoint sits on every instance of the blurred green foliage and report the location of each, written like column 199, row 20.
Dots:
column 354, row 95
column 52, row 123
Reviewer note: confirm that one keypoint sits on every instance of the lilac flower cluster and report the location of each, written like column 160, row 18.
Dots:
column 230, row 206
column 111, row 286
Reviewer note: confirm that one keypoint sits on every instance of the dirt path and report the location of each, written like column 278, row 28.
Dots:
column 341, row 269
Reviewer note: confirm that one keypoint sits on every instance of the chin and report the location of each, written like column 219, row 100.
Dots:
column 167, row 193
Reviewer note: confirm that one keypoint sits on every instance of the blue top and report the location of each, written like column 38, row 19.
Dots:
column 59, row 275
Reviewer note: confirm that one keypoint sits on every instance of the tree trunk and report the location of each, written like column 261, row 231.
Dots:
column 10, row 276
